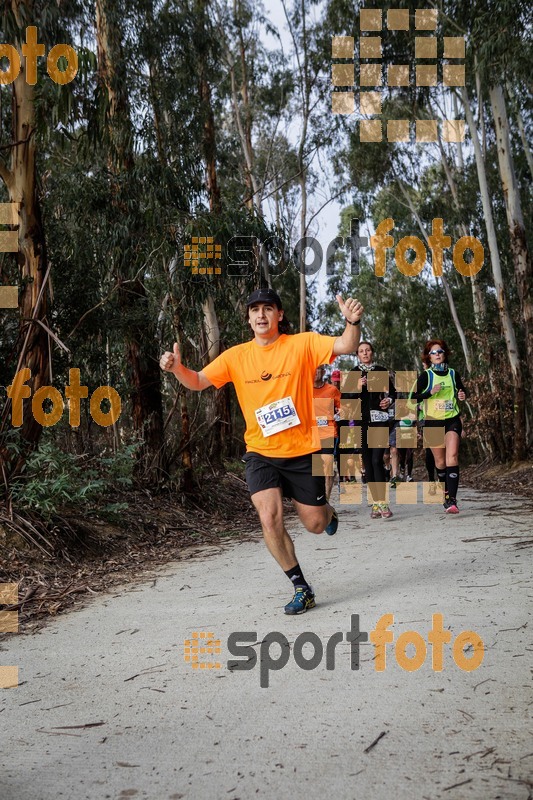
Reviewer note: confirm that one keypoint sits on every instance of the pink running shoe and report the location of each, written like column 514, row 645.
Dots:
column 450, row 506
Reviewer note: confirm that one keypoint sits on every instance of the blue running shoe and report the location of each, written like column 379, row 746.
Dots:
column 303, row 600
column 333, row 524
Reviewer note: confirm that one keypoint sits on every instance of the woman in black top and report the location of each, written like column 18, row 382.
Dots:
column 374, row 406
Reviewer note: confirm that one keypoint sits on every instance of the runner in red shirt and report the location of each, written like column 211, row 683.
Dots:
column 273, row 378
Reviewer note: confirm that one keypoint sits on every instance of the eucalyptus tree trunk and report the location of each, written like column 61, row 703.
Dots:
column 218, row 414
column 515, row 218
column 449, row 297
column 521, row 127
column 303, row 229
column 19, row 176
column 164, row 151
column 217, row 406
column 140, row 342
column 304, row 84
column 519, row 416
column 240, row 98
column 478, row 299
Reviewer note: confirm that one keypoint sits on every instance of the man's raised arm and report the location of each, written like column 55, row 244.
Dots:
column 171, row 362
column 352, row 311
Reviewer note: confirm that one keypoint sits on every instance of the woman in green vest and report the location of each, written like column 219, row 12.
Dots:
column 438, row 390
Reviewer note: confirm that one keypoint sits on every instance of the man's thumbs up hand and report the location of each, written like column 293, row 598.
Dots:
column 170, row 361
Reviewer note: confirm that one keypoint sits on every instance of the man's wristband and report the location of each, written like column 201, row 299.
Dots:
column 357, row 322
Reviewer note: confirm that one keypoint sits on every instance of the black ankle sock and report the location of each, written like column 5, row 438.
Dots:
column 452, row 481
column 441, row 476
column 295, row 575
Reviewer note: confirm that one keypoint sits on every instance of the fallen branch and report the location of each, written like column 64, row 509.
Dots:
column 374, row 743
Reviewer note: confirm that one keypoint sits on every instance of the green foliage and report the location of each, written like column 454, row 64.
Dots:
column 55, row 480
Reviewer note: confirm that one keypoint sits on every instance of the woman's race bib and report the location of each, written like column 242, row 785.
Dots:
column 378, row 416
column 443, row 405
column 277, row 416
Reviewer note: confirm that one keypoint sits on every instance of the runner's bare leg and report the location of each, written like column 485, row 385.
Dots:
column 327, row 461
column 452, row 441
column 314, row 518
column 269, row 506
column 439, row 454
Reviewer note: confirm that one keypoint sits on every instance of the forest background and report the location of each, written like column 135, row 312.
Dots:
column 213, row 118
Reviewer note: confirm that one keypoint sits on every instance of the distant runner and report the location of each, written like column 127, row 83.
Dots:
column 273, row 378
column 373, row 415
column 327, row 402
column 438, row 389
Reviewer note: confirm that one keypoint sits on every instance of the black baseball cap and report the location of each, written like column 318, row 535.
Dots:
column 264, row 296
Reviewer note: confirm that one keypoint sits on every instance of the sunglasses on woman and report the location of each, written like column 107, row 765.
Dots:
column 435, row 352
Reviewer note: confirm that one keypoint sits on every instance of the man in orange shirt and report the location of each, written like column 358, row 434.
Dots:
column 327, row 402
column 273, row 378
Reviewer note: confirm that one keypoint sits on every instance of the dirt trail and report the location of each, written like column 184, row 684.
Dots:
column 107, row 706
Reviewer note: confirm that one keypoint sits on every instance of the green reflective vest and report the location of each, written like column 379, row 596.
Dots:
column 443, row 404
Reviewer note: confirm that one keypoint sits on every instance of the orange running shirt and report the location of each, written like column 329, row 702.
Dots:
column 261, row 375
column 327, row 400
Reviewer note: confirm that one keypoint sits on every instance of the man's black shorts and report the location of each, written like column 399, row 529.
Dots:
column 293, row 475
